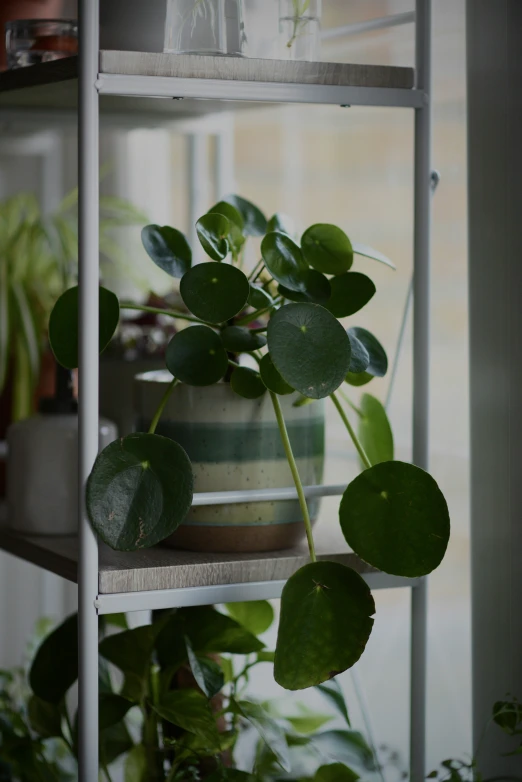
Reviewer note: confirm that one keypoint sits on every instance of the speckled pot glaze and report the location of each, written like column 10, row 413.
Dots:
column 234, row 444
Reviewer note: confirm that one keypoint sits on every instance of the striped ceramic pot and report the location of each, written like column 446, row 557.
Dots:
column 234, row 444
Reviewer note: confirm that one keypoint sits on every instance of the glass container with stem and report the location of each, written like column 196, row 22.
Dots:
column 212, row 27
column 299, row 29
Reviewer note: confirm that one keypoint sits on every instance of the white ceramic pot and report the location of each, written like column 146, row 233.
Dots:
column 234, row 444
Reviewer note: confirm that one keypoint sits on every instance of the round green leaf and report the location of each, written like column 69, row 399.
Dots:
column 253, row 218
column 360, row 359
column 168, row 248
column 259, row 298
column 375, row 432
column 212, row 231
column 55, row 666
column 256, row 615
column 350, row 293
column 215, row 292
column 228, row 211
column 378, row 365
column 63, row 325
column 272, row 378
column 247, row 383
column 238, row 339
column 325, row 623
column 284, row 261
column 395, row 517
column 317, row 289
column 327, row 248
column 310, row 349
column 196, row 356
column 336, row 772
column 358, row 379
column 139, row 491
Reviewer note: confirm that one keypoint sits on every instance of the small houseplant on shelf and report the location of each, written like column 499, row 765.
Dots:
column 393, row 515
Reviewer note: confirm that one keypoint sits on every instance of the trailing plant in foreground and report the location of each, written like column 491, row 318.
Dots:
column 393, row 515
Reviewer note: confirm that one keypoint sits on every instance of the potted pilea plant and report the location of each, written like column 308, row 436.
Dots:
column 393, row 515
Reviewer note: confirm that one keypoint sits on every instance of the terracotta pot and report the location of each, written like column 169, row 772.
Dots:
column 10, row 10
column 234, row 444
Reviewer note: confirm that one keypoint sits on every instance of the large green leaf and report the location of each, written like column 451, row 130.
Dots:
column 215, row 292
column 378, row 365
column 213, row 231
column 350, row 292
column 327, row 248
column 284, row 260
column 375, row 432
column 336, row 772
column 395, row 517
column 238, row 339
column 269, row 729
column 332, row 691
column 325, row 623
column 131, row 650
column 309, row 348
column 55, row 666
column 253, row 218
column 113, row 709
column 256, row 615
column 45, row 718
column 369, row 252
column 168, row 248
column 136, row 764
column 196, row 356
column 190, row 710
column 63, row 325
column 316, row 288
column 114, row 742
column 247, row 383
column 272, row 379
column 207, row 673
column 139, row 491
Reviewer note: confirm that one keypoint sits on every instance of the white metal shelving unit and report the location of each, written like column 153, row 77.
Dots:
column 123, row 85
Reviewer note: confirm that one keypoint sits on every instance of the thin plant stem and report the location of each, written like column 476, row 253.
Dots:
column 106, row 772
column 257, row 314
column 259, row 330
column 360, row 450
column 256, row 271
column 234, row 364
column 349, row 402
column 295, row 474
column 161, row 407
column 158, row 311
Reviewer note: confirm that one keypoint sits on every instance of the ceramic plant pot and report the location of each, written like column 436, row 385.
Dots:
column 234, row 444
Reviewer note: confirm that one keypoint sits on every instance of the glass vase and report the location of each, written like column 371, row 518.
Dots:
column 213, row 27
column 300, row 29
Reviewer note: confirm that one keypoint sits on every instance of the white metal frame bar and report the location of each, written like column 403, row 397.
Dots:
column 371, row 25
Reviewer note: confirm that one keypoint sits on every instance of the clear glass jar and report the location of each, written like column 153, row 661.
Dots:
column 205, row 27
column 299, row 29
column 31, row 41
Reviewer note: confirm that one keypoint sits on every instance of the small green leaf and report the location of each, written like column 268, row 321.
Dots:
column 230, row 212
column 378, row 365
column 317, row 289
column 45, row 718
column 282, row 223
column 190, row 710
column 327, row 249
column 136, row 764
column 63, row 325
column 375, row 432
column 113, row 709
column 259, row 298
column 238, row 339
column 212, row 231
column 360, row 359
column 215, row 292
column 196, row 356
column 350, row 292
column 256, row 615
column 139, row 491
column 284, row 260
column 307, row 723
column 247, row 383
column 269, row 729
column 358, row 379
column 336, row 772
column 271, row 377
column 168, row 248
column 325, row 623
column 299, row 330
column 395, row 517
column 332, row 691
column 254, row 220
column 55, row 666
column 207, row 673
column 369, row 252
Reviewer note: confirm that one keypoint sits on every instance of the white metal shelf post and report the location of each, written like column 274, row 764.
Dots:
column 421, row 371
column 88, row 193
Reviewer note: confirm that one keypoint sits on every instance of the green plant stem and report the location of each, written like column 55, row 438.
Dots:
column 349, row 402
column 257, row 314
column 260, row 330
column 360, row 450
column 161, row 407
column 256, row 271
column 295, row 474
column 106, row 772
column 234, row 364
column 158, row 311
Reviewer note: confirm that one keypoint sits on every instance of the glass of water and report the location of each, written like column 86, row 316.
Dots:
column 214, row 27
column 300, row 29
